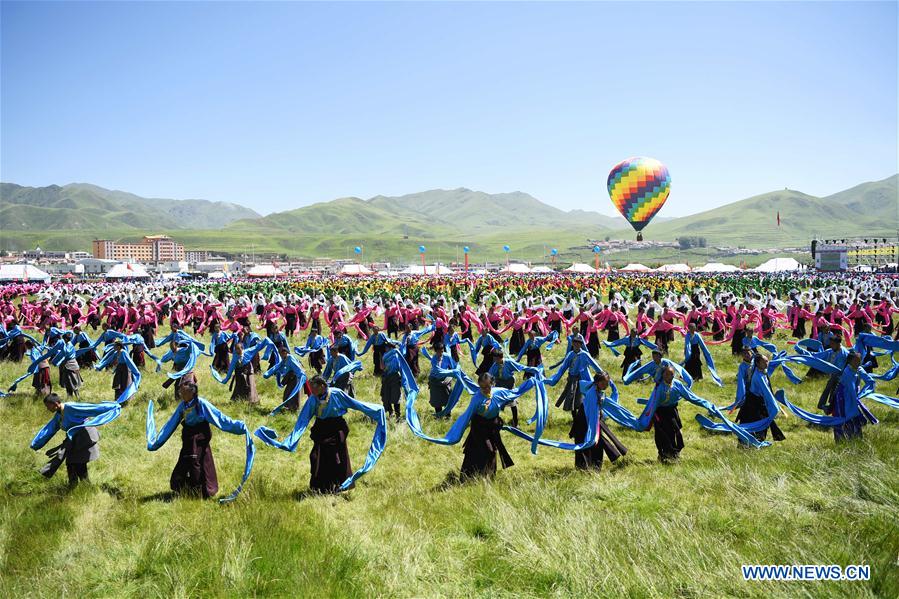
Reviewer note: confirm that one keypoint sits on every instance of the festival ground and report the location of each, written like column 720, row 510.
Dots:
column 409, row 528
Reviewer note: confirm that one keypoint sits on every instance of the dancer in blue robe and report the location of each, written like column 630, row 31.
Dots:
column 81, row 443
column 330, row 470
column 195, row 472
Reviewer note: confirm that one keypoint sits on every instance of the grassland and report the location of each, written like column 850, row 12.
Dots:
column 409, row 529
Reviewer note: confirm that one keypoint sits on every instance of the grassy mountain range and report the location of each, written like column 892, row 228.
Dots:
column 866, row 209
column 81, row 206
column 392, row 228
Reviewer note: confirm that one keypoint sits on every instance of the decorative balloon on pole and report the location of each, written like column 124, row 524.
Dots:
column 358, row 251
column 596, row 251
column 554, row 252
column 507, row 249
column 638, row 187
column 421, row 250
column 465, row 250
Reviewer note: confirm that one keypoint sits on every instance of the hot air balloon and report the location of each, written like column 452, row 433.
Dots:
column 639, row 187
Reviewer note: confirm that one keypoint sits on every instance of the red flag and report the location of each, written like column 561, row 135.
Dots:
column 778, row 218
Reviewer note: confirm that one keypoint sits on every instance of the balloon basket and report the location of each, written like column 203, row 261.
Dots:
column 639, row 236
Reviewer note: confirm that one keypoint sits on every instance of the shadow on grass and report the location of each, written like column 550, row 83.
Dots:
column 165, row 497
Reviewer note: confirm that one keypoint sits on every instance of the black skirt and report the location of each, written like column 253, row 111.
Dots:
column 290, row 381
column 613, row 331
column 70, row 377
column 329, row 460
column 571, row 397
column 439, row 393
column 667, row 426
column 608, row 443
column 516, row 341
column 221, row 358
column 593, row 344
column 377, row 353
column 481, row 447
column 244, row 384
column 317, row 360
column 121, row 378
column 391, row 389
column 631, row 355
column 753, row 410
column 694, row 365
column 195, row 471
column 736, row 343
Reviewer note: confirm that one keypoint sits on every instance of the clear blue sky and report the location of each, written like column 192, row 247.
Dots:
column 280, row 105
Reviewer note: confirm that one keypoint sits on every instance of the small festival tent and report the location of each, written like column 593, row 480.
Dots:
column 517, row 269
column 265, row 270
column 635, row 267
column 23, row 273
column 779, row 265
column 716, row 267
column 355, row 269
column 580, row 267
column 430, row 269
column 542, row 269
column 128, row 270
column 673, row 268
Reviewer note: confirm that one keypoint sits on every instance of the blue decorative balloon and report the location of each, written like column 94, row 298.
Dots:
column 554, row 251
column 506, row 248
column 596, row 249
column 465, row 249
column 421, row 249
column 357, row 249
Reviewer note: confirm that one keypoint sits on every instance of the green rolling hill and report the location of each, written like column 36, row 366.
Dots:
column 867, row 209
column 80, row 206
column 392, row 228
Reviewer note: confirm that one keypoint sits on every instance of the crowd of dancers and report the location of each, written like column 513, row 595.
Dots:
column 483, row 342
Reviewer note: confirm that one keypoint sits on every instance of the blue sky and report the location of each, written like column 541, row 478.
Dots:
column 279, row 105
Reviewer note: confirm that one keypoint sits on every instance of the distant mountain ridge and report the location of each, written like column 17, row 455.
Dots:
column 870, row 208
column 86, row 206
column 427, row 213
column 447, row 218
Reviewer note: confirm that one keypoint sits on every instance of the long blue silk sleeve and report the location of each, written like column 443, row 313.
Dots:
column 270, row 437
column 77, row 416
column 154, row 440
column 216, row 418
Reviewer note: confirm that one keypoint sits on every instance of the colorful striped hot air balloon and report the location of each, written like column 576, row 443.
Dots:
column 639, row 187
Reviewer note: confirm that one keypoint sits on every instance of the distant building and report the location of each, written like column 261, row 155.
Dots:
column 39, row 254
column 153, row 248
column 197, row 256
column 97, row 266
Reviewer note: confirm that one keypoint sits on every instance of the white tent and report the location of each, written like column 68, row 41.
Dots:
column 635, row 267
column 265, row 270
column 217, row 274
column 127, row 270
column 716, row 267
column 355, row 269
column 517, row 269
column 673, row 268
column 779, row 265
column 580, row 267
column 23, row 272
column 542, row 269
column 430, row 269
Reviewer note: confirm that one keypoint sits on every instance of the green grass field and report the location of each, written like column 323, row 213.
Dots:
column 409, row 529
